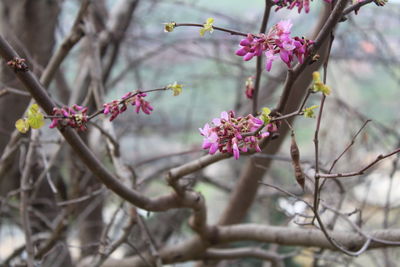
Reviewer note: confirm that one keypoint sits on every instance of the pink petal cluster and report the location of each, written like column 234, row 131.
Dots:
column 277, row 41
column 74, row 117
column 116, row 107
column 228, row 134
column 290, row 4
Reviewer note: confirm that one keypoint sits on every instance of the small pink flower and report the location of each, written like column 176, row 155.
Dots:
column 270, row 59
column 74, row 117
column 210, row 139
column 284, row 26
column 228, row 134
column 117, row 107
column 225, row 115
column 277, row 41
column 236, row 152
column 290, row 4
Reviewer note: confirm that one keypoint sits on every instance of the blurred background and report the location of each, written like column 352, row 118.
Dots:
column 364, row 75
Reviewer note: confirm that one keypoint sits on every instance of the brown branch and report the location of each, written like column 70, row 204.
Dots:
column 9, row 90
column 121, row 240
column 67, row 44
column 240, row 253
column 259, row 67
column 286, row 236
column 356, row 7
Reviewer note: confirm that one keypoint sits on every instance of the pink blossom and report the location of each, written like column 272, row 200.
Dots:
column 236, row 152
column 231, row 134
column 290, row 4
column 270, row 59
column 74, row 117
column 210, row 139
column 284, row 27
column 277, row 41
column 117, row 107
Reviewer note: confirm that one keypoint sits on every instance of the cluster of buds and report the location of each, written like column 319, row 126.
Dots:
column 116, row 107
column 290, row 4
column 277, row 41
column 74, row 117
column 234, row 135
column 18, row 64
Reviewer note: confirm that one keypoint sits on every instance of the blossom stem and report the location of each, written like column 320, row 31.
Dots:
column 263, row 28
column 356, row 7
column 232, row 32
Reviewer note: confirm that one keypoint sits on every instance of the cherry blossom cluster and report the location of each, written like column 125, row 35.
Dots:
column 74, row 117
column 290, row 4
column 277, row 41
column 229, row 134
column 116, row 107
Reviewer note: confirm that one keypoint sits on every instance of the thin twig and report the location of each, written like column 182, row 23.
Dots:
column 232, row 32
column 150, row 241
column 348, row 146
column 356, row 6
column 362, row 170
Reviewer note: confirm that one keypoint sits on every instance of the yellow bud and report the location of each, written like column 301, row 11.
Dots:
column 207, row 27
column 316, row 76
column 176, row 88
column 169, row 27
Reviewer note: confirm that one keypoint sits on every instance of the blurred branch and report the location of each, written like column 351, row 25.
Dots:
column 240, row 253
column 362, row 170
column 193, row 249
column 24, row 205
